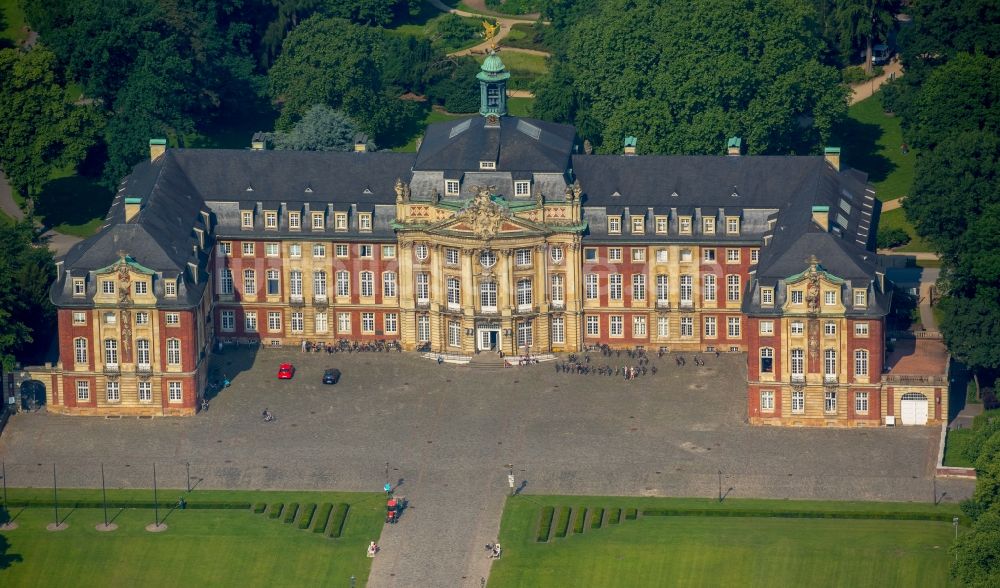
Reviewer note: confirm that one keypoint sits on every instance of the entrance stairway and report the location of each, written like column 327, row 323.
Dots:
column 486, row 360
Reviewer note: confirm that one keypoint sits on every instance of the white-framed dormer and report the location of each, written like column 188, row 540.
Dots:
column 487, row 165
column 522, row 188
column 452, row 187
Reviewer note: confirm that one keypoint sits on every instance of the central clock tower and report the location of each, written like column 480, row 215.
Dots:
column 493, row 76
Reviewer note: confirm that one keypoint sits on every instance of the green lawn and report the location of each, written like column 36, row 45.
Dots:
column 897, row 219
column 73, row 204
column 522, row 36
column 722, row 551
column 519, row 106
column 11, row 23
column 524, row 68
column 423, row 24
column 199, row 548
column 871, row 141
column 959, row 439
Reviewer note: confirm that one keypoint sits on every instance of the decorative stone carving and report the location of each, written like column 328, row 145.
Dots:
column 402, row 191
column 125, row 305
column 812, row 288
column 483, row 214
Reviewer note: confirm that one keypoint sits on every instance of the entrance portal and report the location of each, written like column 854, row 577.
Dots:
column 488, row 339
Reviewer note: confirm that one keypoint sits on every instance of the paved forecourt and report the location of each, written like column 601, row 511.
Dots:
column 447, row 433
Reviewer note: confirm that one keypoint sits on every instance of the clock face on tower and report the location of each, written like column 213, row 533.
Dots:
column 492, row 119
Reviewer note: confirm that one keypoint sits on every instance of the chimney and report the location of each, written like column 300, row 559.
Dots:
column 360, row 143
column 132, row 207
column 832, row 156
column 157, row 147
column 259, row 141
column 821, row 216
column 630, row 144
column 734, row 146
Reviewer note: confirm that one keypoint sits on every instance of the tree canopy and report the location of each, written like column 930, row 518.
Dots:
column 26, row 272
column 683, row 76
column 321, row 129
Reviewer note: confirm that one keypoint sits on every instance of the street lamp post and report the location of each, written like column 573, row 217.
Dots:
column 954, row 523
column 720, row 485
column 104, row 494
column 188, row 465
column 353, row 579
column 156, row 503
column 55, row 494
column 510, row 478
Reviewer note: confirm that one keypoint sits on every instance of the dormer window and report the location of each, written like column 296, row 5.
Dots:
column 638, row 225
column 294, row 221
column 767, row 296
column 78, row 287
column 170, row 288
column 860, row 298
column 340, row 221
column 522, row 188
column 732, row 225
column 614, row 225
column 365, row 222
column 685, row 225
column 708, row 226
column 140, row 287
column 451, row 188
column 317, row 221
column 108, row 286
column 487, row 165
column 796, row 296
column 270, row 219
column 246, row 219
column 661, row 225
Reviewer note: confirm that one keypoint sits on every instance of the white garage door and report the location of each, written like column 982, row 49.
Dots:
column 913, row 409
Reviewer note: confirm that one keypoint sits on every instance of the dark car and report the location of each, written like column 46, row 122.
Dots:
column 331, row 376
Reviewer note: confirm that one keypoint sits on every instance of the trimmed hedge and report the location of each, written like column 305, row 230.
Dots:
column 562, row 522
column 597, row 518
column 545, row 524
column 307, row 515
column 800, row 514
column 319, row 524
column 259, row 507
column 290, row 512
column 614, row 516
column 127, row 504
column 276, row 509
column 581, row 518
column 631, row 514
column 339, row 516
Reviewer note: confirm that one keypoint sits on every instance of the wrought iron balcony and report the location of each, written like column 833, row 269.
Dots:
column 143, row 369
column 663, row 304
column 321, row 301
column 296, row 300
column 112, row 369
column 423, row 304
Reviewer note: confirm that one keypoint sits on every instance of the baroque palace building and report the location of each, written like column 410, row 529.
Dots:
column 496, row 235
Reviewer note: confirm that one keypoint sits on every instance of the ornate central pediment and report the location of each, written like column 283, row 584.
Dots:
column 482, row 215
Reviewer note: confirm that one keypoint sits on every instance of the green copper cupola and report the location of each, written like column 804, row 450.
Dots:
column 493, row 76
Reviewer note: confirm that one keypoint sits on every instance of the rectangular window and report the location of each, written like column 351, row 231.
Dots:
column 249, row 282
column 340, row 221
column 523, row 257
column 145, row 391
column 860, row 362
column 638, row 225
column 341, row 249
column 322, row 321
column 142, row 318
column 273, row 282
column 558, row 294
column 861, row 329
column 638, row 254
column 708, row 254
column 451, row 256
column 228, row 318
column 829, row 402
column 732, row 225
column 343, row 283
column 861, row 402
column 687, row 326
column 590, row 254
column 294, row 221
column 524, row 294
column 367, row 322
column 798, row 364
column 273, row 321
column 558, row 330
column 250, row 322
column 638, row 326
column 365, row 222
column 297, row 323
column 172, row 319
column 271, row 249
column 423, row 328
column 295, row 285
column 295, row 250
column 141, row 287
column 767, row 400
column 662, row 290
column 83, row 390
column 488, row 296
column 661, row 225
column 662, row 256
column 454, row 334
column 226, row 248
column 174, row 392
column 80, row 350
column 108, row 286
column 388, row 251
column 638, row 286
column 829, row 298
column 687, row 290
column 590, row 286
column 423, row 287
column 246, row 219
column 389, row 284
column 616, row 325
column 343, row 322
column 685, row 225
column 708, row 225
column 615, row 286
column 173, row 351
column 113, row 390
column 860, row 298
column 830, row 365
column 451, row 188
column 248, row 247
column 798, row 401
column 78, row 287
column 522, row 188
column 767, row 296
column 366, row 251
column 614, row 254
column 685, row 255
column 317, row 221
column 796, row 296
column 226, row 281
column 524, row 334
column 318, row 250
column 487, row 165
column 732, row 255
column 662, row 326
column 732, row 288
column 766, row 360
column 142, row 352
column 798, row 327
column 614, row 225
column 367, row 284
column 593, row 326
column 709, row 287
column 710, row 327
column 170, row 288
column 766, row 327
column 270, row 219
column 754, row 255
column 79, row 318
column 391, row 324
column 829, row 328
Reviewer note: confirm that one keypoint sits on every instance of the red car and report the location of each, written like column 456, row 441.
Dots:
column 286, row 371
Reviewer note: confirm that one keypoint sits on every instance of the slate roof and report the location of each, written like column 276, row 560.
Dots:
column 516, row 144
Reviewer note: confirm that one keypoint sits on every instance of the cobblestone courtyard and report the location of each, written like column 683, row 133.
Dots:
column 447, row 433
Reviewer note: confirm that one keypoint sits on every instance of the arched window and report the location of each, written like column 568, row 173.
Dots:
column 861, row 362
column 367, row 284
column 766, row 360
column 389, row 284
column 709, row 288
column 173, row 351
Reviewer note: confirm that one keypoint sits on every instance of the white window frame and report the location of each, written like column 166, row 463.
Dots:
column 452, row 188
column 767, row 400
